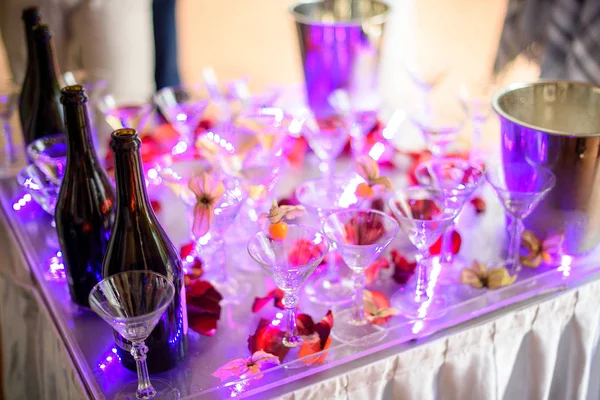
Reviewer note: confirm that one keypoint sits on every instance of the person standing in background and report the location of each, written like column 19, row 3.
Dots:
column 166, row 72
column 109, row 35
column 563, row 36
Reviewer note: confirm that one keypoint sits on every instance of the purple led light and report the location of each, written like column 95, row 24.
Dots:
column 22, row 202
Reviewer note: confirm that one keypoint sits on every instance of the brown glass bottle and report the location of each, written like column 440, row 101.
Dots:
column 46, row 115
column 31, row 18
column 138, row 242
column 85, row 209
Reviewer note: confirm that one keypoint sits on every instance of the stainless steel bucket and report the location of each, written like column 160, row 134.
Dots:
column 557, row 124
column 340, row 43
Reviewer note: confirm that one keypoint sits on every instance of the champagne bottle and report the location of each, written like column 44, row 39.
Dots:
column 46, row 117
column 85, row 209
column 138, row 242
column 31, row 18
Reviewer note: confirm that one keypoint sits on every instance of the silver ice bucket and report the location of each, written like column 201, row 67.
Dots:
column 557, row 124
column 340, row 43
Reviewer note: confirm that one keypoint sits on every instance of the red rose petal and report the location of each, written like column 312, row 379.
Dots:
column 269, row 338
column 479, row 204
column 156, row 206
column 203, row 307
column 275, row 295
column 372, row 270
column 436, row 248
column 186, row 250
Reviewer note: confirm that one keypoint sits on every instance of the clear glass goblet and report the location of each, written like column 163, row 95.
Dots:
column 183, row 107
column 132, row 303
column 424, row 213
column 327, row 137
column 359, row 236
column 290, row 262
column 50, row 155
column 520, row 187
column 135, row 116
column 321, row 197
column 458, row 179
column 440, row 120
column 42, row 190
column 226, row 210
column 476, row 100
column 9, row 95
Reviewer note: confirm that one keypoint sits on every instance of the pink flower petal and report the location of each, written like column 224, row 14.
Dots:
column 203, row 216
column 234, row 368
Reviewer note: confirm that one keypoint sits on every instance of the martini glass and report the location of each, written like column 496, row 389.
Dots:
column 476, row 100
column 135, row 116
column 49, row 153
column 424, row 213
column 520, row 187
column 290, row 262
column 440, row 121
column 327, row 137
column 9, row 94
column 458, row 179
column 321, row 197
column 226, row 210
column 132, row 303
column 359, row 236
column 184, row 107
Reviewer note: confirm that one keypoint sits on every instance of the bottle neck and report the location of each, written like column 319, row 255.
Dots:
column 79, row 132
column 131, row 188
column 30, row 43
column 46, row 62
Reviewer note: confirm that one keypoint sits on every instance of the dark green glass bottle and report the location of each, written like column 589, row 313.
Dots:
column 31, row 18
column 85, row 209
column 138, row 242
column 46, row 114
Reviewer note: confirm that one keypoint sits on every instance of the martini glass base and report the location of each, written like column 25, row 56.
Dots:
column 510, row 266
column 164, row 391
column 233, row 291
column 427, row 308
column 346, row 330
column 328, row 290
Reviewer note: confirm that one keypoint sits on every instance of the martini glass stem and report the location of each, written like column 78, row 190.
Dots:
column 446, row 255
column 291, row 339
column 222, row 273
column 145, row 389
column 327, row 167
column 421, row 289
column 358, row 313
column 516, row 230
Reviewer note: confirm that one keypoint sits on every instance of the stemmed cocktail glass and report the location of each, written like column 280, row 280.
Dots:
column 118, row 115
column 424, row 213
column 183, row 107
column 520, row 187
column 440, row 121
column 359, row 236
column 225, row 211
column 289, row 261
column 327, row 137
column 321, row 197
column 132, row 303
column 476, row 100
column 458, row 179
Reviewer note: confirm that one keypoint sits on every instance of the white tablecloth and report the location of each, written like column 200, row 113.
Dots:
column 544, row 351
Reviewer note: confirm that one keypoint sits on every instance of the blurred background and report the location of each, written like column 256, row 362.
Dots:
column 258, row 40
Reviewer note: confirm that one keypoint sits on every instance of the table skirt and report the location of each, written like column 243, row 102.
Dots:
column 35, row 361
column 544, row 351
